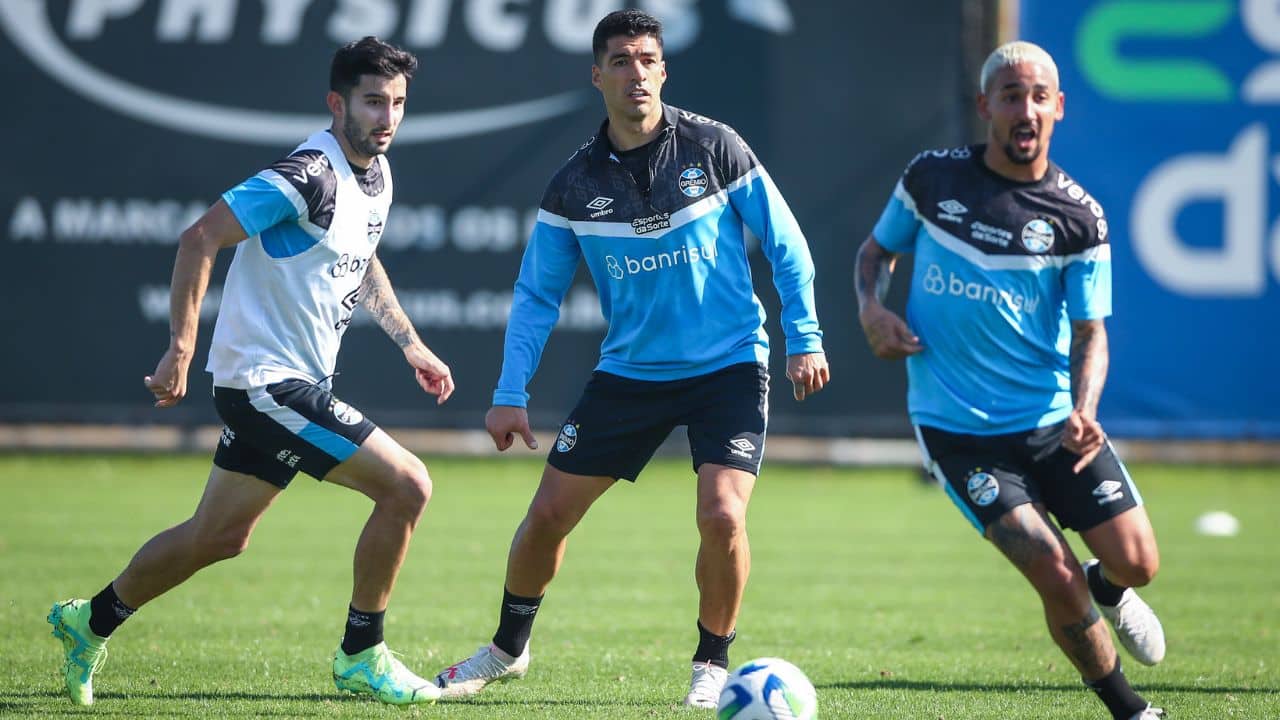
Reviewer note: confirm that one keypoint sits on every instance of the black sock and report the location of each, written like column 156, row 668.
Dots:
column 106, row 612
column 515, row 622
column 364, row 630
column 1114, row 692
column 1101, row 589
column 713, row 648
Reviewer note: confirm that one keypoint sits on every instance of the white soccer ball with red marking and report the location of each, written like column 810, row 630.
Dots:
column 768, row 689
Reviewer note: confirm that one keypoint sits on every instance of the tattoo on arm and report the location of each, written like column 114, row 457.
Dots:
column 873, row 270
column 380, row 300
column 1089, row 360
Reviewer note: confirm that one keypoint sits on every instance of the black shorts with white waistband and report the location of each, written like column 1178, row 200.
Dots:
column 986, row 476
column 619, row 422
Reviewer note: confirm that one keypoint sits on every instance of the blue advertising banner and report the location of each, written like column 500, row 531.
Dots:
column 1171, row 117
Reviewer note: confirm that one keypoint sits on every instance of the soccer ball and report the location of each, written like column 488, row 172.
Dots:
column 768, row 689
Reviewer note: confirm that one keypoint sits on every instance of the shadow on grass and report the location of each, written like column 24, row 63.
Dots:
column 48, row 702
column 932, row 686
column 194, row 696
column 100, row 709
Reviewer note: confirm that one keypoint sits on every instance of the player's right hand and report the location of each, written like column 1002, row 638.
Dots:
column 169, row 382
column 888, row 334
column 1083, row 435
column 504, row 422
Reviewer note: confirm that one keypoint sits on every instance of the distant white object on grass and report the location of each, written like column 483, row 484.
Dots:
column 1218, row 523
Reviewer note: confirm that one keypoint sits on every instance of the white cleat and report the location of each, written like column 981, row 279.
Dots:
column 1136, row 625
column 488, row 665
column 1150, row 713
column 705, row 685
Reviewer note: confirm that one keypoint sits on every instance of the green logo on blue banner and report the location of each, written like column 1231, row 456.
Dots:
column 1104, row 28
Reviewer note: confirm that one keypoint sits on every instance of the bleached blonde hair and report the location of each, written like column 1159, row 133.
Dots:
column 1013, row 53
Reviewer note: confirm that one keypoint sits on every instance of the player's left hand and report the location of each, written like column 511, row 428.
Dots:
column 808, row 373
column 431, row 372
column 1083, row 436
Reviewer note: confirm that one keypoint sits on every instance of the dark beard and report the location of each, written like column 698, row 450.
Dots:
column 363, row 145
column 1017, row 159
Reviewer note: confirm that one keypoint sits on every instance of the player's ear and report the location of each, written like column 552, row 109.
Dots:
column 337, row 105
column 595, row 75
column 1062, row 106
column 984, row 111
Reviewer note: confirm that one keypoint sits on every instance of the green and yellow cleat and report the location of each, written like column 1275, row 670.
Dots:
column 85, row 651
column 378, row 673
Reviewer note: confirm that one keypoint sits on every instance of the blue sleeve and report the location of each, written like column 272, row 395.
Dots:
column 1087, row 283
column 898, row 225
column 546, row 272
column 259, row 204
column 765, row 213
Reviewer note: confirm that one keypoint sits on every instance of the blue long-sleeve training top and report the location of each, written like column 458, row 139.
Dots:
column 669, row 263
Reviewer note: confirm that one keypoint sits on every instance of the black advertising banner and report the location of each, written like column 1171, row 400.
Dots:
column 129, row 117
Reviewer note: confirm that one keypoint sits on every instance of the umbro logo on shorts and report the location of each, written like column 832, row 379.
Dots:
column 742, row 447
column 1108, row 491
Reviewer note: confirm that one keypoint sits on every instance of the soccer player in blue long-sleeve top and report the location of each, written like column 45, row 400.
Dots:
column 657, row 205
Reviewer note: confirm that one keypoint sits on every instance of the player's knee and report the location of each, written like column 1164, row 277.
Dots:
column 1042, row 559
column 722, row 522
column 413, row 487
column 1137, row 568
column 547, row 518
column 1054, row 574
column 223, row 544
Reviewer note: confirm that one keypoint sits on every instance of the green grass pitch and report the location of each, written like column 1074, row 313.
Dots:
column 869, row 580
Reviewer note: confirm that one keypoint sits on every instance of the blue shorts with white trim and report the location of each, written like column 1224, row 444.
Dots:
column 274, row 431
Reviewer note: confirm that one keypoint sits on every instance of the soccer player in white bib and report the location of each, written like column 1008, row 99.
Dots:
column 1006, row 358
column 305, row 231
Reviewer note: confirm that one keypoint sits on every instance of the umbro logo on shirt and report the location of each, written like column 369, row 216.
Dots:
column 952, row 210
column 599, row 205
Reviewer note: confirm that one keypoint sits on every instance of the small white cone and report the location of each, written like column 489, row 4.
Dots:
column 1218, row 523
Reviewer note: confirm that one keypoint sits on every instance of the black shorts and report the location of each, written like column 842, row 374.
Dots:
column 292, row 425
column 989, row 475
column 619, row 423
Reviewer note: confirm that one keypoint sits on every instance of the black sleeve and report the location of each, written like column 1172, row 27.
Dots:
column 311, row 176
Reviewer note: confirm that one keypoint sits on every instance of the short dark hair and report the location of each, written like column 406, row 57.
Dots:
column 368, row 56
column 630, row 22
